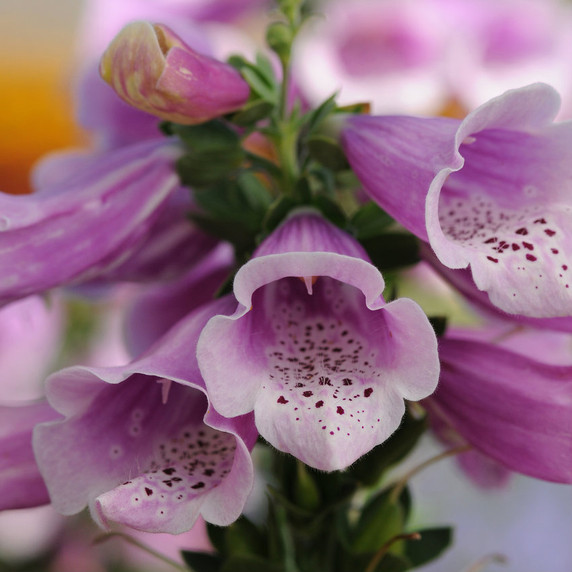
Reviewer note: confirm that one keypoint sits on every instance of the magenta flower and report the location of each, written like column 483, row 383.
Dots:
column 313, row 348
column 152, row 69
column 491, row 192
column 79, row 227
column 509, row 407
column 21, row 483
column 140, row 445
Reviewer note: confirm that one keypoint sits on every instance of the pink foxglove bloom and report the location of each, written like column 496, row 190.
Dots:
column 511, row 408
column 21, row 483
column 141, row 446
column 77, row 229
column 314, row 350
column 152, row 69
column 491, row 192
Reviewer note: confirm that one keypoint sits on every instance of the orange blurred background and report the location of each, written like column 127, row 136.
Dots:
column 37, row 46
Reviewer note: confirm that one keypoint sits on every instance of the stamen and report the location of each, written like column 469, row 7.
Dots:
column 166, row 387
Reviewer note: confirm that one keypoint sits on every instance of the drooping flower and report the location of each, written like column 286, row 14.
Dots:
column 86, row 224
column 152, row 69
column 21, row 483
column 141, row 446
column 314, row 350
column 511, row 408
column 491, row 192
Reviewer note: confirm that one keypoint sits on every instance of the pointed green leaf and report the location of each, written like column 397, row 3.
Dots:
column 433, row 542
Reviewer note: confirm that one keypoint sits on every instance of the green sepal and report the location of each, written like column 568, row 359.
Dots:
column 433, row 542
column 392, row 250
column 330, row 209
column 369, row 221
column 380, row 520
column 202, row 561
column 369, row 468
column 316, row 116
column 327, row 151
column 277, row 212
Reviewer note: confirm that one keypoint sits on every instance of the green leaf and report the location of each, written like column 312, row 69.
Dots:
column 259, row 85
column 250, row 564
column 392, row 250
column 327, row 151
column 369, row 221
column 217, row 537
column 433, row 542
column 439, row 324
column 202, row 561
column 204, row 168
column 369, row 468
column 244, row 538
column 213, row 135
column 252, row 112
column 381, row 519
column 315, row 117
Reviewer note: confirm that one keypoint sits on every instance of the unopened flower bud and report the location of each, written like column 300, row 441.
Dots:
column 152, row 69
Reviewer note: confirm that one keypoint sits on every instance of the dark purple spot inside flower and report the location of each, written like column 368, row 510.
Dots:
column 319, row 403
column 495, row 260
column 347, row 381
column 282, row 400
column 528, row 246
column 307, row 394
column 564, row 267
column 148, row 491
column 522, row 231
column 531, row 257
column 549, row 232
column 199, row 485
column 367, row 392
column 169, row 471
column 554, row 250
column 340, row 410
column 540, row 221
column 515, row 246
column 491, row 240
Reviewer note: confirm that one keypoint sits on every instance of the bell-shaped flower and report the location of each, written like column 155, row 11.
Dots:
column 491, row 192
column 21, row 484
column 314, row 350
column 78, row 227
column 152, row 69
column 511, row 408
column 140, row 444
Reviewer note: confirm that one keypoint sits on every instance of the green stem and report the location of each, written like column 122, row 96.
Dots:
column 148, row 549
column 287, row 540
column 385, row 549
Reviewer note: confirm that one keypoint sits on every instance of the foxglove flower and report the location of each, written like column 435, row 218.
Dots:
column 491, row 192
column 152, row 69
column 141, row 446
column 21, row 483
column 314, row 350
column 86, row 224
column 509, row 407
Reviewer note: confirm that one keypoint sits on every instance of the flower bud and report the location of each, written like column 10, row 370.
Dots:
column 153, row 70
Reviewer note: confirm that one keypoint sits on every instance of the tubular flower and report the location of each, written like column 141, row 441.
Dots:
column 79, row 228
column 140, row 445
column 491, row 192
column 152, row 69
column 21, row 483
column 511, row 408
column 314, row 350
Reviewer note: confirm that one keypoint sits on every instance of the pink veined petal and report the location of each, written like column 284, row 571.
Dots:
column 525, row 426
column 74, row 232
